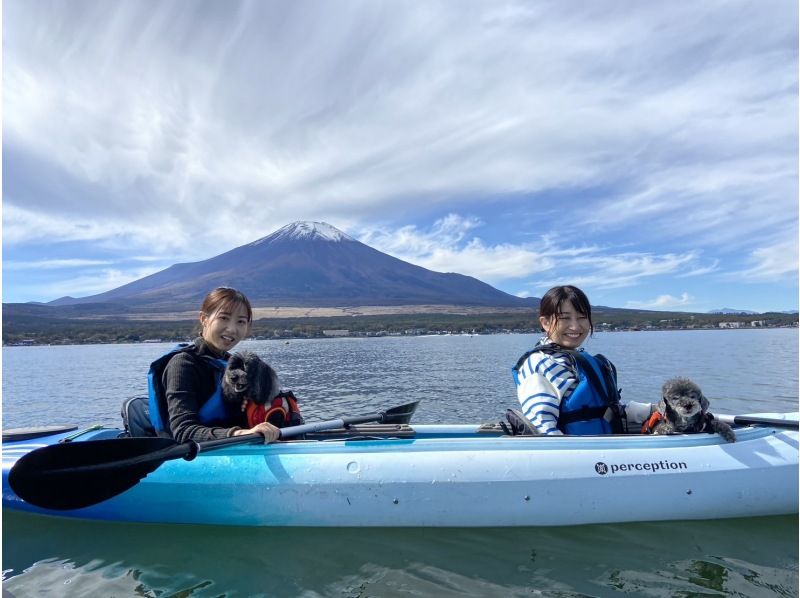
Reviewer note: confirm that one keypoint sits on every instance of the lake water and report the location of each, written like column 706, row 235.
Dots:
column 459, row 379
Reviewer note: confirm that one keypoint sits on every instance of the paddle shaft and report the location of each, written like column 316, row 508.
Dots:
column 293, row 431
column 747, row 420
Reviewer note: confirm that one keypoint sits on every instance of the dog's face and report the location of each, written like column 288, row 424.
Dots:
column 234, row 381
column 683, row 405
column 247, row 376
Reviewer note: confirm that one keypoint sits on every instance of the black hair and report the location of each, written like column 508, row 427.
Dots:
column 554, row 299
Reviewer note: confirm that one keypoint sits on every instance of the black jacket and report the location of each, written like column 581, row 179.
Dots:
column 189, row 381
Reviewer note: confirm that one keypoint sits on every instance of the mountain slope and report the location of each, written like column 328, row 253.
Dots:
column 306, row 264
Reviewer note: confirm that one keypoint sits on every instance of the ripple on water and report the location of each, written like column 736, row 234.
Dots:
column 657, row 559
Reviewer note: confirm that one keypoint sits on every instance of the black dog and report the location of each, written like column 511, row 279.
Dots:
column 247, row 376
column 684, row 410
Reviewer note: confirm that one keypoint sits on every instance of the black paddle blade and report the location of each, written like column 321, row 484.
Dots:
column 401, row 414
column 79, row 474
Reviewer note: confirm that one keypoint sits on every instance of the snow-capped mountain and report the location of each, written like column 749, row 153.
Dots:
column 305, row 264
column 305, row 231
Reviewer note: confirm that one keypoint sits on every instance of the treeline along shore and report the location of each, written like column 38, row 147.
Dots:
column 26, row 329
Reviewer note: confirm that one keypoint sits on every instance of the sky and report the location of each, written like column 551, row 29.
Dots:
column 646, row 152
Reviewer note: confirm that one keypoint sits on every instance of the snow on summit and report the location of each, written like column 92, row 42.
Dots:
column 306, row 230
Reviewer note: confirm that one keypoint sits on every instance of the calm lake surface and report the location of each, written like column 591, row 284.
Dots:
column 459, row 379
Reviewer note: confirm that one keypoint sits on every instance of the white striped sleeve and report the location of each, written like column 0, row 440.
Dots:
column 538, row 392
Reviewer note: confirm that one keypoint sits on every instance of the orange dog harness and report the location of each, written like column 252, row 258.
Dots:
column 651, row 422
column 282, row 411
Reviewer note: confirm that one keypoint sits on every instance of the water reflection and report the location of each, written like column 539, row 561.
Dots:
column 655, row 559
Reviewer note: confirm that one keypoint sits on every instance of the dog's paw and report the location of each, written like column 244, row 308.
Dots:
column 663, row 429
column 721, row 428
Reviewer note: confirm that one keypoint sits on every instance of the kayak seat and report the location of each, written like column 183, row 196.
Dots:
column 136, row 417
column 493, row 429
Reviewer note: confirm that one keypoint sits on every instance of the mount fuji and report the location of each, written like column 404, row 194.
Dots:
column 304, row 264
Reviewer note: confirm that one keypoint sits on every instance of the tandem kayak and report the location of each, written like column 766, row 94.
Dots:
column 447, row 476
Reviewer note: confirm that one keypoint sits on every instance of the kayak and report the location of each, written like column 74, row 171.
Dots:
column 402, row 475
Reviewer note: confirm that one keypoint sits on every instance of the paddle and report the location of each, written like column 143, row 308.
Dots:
column 754, row 420
column 80, row 474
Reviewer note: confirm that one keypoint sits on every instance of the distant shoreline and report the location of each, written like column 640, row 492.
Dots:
column 382, row 334
column 35, row 325
column 282, row 312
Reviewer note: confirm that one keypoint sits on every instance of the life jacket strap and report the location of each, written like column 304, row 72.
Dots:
column 583, row 414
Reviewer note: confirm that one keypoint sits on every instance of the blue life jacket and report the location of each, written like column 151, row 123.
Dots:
column 594, row 406
column 584, row 411
column 213, row 412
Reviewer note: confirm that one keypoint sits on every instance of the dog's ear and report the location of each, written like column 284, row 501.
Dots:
column 662, row 406
column 250, row 360
column 669, row 411
column 244, row 358
column 275, row 384
column 235, row 362
column 700, row 396
column 262, row 379
column 267, row 381
column 252, row 365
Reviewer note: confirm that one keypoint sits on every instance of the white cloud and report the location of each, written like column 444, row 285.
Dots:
column 613, row 271
column 662, row 302
column 358, row 109
column 777, row 262
column 97, row 281
column 53, row 264
column 448, row 247
column 701, row 270
column 667, row 131
column 29, row 226
column 725, row 203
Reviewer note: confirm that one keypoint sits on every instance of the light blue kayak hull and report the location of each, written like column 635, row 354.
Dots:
column 454, row 476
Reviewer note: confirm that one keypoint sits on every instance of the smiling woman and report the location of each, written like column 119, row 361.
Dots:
column 185, row 385
column 561, row 388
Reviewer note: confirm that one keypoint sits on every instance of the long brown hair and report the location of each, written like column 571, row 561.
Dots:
column 553, row 300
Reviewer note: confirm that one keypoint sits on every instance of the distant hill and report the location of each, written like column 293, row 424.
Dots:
column 304, row 264
column 736, row 312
